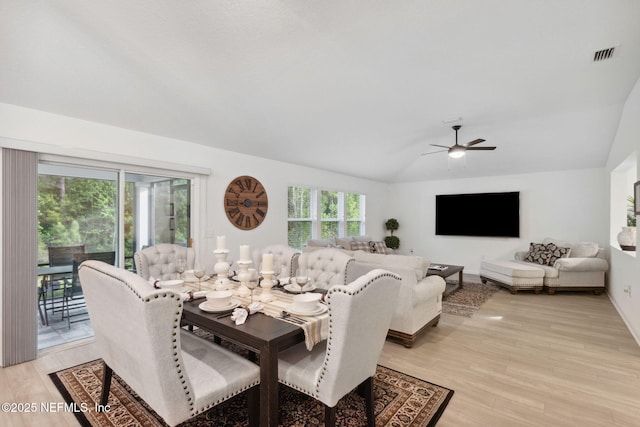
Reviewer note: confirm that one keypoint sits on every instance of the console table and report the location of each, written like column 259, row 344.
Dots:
column 449, row 271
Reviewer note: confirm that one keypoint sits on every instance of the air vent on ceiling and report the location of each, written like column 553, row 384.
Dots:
column 603, row 54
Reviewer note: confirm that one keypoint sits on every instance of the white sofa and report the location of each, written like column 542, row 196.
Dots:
column 419, row 303
column 582, row 268
column 354, row 243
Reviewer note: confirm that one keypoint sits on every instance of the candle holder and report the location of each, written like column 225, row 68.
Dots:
column 244, row 276
column 221, row 268
column 266, row 285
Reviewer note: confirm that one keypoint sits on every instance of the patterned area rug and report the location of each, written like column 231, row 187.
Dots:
column 400, row 400
column 467, row 300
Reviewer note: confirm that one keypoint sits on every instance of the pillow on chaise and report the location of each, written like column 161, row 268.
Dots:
column 538, row 254
column 379, row 247
column 357, row 245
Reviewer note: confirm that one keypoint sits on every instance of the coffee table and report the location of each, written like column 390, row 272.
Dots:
column 449, row 271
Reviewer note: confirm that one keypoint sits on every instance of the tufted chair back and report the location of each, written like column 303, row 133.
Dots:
column 360, row 314
column 325, row 267
column 159, row 261
column 283, row 256
column 138, row 335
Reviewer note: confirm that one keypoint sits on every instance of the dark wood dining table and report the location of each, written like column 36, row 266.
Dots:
column 261, row 333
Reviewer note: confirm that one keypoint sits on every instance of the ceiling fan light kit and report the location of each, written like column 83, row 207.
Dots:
column 457, row 151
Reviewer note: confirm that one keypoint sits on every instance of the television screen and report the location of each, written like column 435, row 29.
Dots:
column 478, row 214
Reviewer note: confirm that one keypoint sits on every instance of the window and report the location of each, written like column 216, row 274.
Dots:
column 300, row 221
column 323, row 214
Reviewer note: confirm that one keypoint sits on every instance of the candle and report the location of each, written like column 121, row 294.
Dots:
column 244, row 253
column 267, row 262
column 221, row 243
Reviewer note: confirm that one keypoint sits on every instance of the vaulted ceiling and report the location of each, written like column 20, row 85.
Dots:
column 359, row 87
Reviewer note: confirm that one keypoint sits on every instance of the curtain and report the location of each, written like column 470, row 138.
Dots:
column 19, row 297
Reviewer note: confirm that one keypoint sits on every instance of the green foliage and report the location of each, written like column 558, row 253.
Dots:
column 299, row 202
column 328, row 205
column 631, row 215
column 392, row 242
column 391, row 225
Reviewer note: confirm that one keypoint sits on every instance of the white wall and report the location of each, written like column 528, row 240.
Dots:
column 625, row 267
column 567, row 205
column 64, row 135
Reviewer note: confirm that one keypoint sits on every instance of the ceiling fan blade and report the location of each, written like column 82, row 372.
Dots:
column 480, row 148
column 441, row 146
column 474, row 142
column 434, row 152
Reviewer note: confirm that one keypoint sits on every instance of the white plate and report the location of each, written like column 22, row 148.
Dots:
column 295, row 289
column 204, row 306
column 319, row 309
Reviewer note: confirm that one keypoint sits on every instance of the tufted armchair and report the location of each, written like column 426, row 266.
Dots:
column 283, row 256
column 325, row 267
column 159, row 261
column 138, row 335
column 360, row 315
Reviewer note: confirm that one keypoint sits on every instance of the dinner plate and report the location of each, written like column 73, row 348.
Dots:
column 295, row 289
column 319, row 309
column 204, row 306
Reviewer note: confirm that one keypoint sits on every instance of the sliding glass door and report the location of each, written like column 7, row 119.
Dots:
column 79, row 208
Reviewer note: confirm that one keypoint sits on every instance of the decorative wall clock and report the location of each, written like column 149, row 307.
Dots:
column 246, row 202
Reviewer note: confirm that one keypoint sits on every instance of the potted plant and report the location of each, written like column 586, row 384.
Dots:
column 392, row 241
column 627, row 237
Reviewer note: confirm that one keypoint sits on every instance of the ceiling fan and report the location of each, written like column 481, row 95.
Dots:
column 456, row 151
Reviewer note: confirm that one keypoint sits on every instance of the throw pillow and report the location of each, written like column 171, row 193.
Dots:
column 537, row 254
column 555, row 252
column 584, row 250
column 357, row 245
column 378, row 247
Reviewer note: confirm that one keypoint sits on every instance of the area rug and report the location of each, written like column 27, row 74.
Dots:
column 400, row 400
column 467, row 300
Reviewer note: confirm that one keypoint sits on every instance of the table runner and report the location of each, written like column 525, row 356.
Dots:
column 316, row 328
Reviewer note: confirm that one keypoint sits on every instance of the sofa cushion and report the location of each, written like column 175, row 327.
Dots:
column 546, row 254
column 557, row 252
column 324, row 243
column 584, row 250
column 538, row 254
column 379, row 247
column 357, row 245
column 343, row 242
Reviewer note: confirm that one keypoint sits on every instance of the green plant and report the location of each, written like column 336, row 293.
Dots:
column 391, row 225
column 631, row 215
column 392, row 242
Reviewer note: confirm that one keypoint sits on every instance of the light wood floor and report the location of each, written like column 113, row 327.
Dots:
column 522, row 360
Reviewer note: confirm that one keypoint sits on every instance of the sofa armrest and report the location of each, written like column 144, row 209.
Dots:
column 581, row 264
column 520, row 255
column 426, row 287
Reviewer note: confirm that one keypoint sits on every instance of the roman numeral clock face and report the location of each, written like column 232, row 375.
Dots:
column 246, row 202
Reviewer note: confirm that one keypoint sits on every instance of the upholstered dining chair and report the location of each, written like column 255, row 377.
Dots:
column 360, row 315
column 159, row 261
column 283, row 256
column 325, row 267
column 138, row 335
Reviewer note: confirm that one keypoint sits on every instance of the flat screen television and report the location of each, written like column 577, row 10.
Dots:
column 478, row 214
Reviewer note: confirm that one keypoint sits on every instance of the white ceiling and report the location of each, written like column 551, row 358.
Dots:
column 360, row 87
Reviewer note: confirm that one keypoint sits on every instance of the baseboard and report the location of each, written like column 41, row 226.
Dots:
column 624, row 319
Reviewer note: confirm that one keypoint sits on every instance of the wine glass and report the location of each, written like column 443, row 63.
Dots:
column 301, row 279
column 252, row 282
column 180, row 267
column 198, row 271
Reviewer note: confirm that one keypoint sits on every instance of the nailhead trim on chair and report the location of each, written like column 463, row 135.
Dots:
column 174, row 346
column 333, row 290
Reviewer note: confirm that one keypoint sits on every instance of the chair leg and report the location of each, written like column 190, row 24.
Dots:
column 253, row 404
column 106, row 385
column 329, row 416
column 367, row 391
